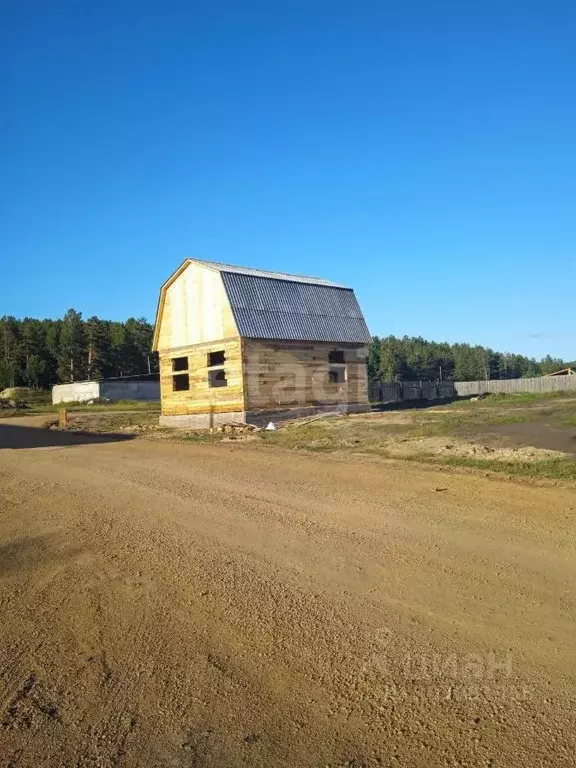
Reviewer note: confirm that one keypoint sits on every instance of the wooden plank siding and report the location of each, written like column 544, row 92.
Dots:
column 194, row 309
column 285, row 373
column 201, row 398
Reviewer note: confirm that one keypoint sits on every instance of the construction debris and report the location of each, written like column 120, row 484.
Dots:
column 240, row 427
column 8, row 404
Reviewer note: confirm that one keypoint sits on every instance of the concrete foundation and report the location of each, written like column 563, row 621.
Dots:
column 259, row 418
column 201, row 420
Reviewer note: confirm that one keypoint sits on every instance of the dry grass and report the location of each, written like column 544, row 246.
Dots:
column 39, row 407
column 447, row 435
column 456, row 434
column 112, row 420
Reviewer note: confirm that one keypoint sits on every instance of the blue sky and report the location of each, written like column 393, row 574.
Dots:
column 422, row 152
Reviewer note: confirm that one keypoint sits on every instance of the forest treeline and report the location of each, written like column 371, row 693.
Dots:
column 40, row 353
column 415, row 359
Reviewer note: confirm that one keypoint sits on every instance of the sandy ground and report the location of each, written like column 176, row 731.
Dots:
column 169, row 604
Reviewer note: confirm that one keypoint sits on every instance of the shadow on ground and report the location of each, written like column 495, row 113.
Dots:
column 27, row 553
column 404, row 405
column 35, row 437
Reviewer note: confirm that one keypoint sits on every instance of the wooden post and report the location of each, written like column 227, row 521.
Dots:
column 62, row 418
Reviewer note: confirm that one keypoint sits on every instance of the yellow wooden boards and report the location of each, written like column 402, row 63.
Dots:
column 193, row 309
column 201, row 397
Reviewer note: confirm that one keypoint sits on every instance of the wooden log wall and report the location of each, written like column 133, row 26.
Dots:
column 278, row 374
column 201, row 398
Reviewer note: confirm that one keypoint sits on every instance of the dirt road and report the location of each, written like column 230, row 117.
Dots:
column 178, row 605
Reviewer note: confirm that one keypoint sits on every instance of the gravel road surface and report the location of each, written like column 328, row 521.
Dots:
column 228, row 605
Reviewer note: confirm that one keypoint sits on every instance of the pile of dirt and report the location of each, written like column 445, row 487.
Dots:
column 14, row 393
column 13, row 398
column 454, row 447
column 25, row 395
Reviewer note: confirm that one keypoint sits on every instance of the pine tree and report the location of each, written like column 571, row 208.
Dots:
column 10, row 351
column 39, row 353
column 51, row 329
column 136, row 346
column 33, row 345
column 98, row 364
column 374, row 359
column 35, row 367
column 551, row 364
column 72, row 358
column 393, row 359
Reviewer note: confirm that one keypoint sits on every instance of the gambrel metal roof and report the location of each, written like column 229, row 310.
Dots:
column 275, row 305
column 299, row 310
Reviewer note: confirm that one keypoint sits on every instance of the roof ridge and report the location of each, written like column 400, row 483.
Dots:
column 256, row 272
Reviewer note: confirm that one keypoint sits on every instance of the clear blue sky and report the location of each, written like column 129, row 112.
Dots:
column 422, row 152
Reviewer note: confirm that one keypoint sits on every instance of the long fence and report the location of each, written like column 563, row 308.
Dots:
column 394, row 392
column 540, row 384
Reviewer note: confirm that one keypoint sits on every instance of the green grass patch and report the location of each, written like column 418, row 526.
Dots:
column 111, row 421
column 118, row 405
column 382, row 437
column 516, row 400
column 558, row 469
column 567, row 417
column 39, row 408
column 328, row 435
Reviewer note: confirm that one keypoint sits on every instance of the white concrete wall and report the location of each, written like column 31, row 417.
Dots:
column 78, row 392
column 82, row 391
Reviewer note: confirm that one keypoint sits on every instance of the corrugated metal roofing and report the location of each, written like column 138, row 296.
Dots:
column 288, row 309
column 263, row 273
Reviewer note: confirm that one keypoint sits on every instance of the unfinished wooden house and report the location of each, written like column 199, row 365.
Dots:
column 238, row 344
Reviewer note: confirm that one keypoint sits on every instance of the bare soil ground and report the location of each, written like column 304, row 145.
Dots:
column 524, row 435
column 538, row 434
column 171, row 604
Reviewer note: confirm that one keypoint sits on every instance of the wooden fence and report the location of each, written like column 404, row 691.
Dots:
column 394, row 392
column 540, row 384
